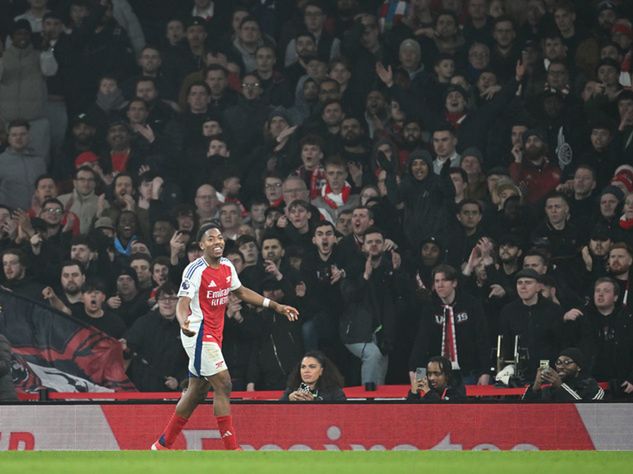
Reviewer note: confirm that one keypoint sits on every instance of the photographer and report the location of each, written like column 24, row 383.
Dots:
column 568, row 381
column 315, row 378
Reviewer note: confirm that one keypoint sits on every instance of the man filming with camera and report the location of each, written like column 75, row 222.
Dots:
column 566, row 381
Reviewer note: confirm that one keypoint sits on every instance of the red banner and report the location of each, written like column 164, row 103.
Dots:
column 372, row 426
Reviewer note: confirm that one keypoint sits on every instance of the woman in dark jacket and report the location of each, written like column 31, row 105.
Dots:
column 315, row 378
column 438, row 384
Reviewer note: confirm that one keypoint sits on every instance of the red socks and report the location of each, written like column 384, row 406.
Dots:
column 173, row 429
column 227, row 432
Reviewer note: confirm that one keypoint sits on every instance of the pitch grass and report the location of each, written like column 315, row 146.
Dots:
column 573, row 462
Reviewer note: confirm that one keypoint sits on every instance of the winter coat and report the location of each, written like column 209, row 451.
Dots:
column 23, row 92
column 18, row 172
column 427, row 203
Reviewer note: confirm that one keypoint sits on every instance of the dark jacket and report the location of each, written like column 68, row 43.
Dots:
column 453, row 393
column 427, row 203
column 7, row 390
column 540, row 331
column 576, row 389
column 331, row 394
column 370, row 306
column 278, row 350
column 612, row 344
column 157, row 352
column 471, row 332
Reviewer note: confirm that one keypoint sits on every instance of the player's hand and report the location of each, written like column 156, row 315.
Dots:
column 288, row 311
column 184, row 327
column 627, row 386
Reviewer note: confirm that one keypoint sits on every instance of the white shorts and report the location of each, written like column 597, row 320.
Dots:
column 205, row 359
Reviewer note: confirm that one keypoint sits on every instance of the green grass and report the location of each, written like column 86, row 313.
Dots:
column 573, row 462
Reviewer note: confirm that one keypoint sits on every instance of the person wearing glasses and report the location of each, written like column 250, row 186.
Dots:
column 565, row 382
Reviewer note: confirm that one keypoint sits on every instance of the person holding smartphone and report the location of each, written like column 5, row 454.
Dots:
column 565, row 382
column 438, row 384
column 315, row 378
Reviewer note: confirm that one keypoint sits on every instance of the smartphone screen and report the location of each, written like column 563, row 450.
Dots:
column 420, row 373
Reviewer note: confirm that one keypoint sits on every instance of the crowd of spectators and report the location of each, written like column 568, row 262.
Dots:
column 417, row 177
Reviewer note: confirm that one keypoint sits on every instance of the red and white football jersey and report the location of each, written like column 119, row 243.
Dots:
column 209, row 290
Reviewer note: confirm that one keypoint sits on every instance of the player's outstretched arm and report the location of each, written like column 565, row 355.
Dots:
column 182, row 314
column 251, row 297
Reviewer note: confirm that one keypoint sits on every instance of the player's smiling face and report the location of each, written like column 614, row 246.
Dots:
column 212, row 243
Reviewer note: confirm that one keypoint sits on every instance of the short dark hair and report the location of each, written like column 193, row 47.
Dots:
column 533, row 252
column 554, row 195
column 587, row 167
column 136, row 99
column 300, row 203
column 245, row 239
column 83, row 240
column 18, row 253
column 311, row 140
column 502, row 19
column 160, row 260
column 465, row 202
column 323, row 224
column 167, row 288
column 84, row 168
column 204, row 228
column 15, row 123
column 42, row 177
column 459, row 171
column 374, row 230
column 199, row 84
column 335, row 160
column 272, row 236
column 370, row 213
column 215, row 67
column 52, row 201
column 145, row 79
column 449, row 272
column 72, row 263
column 447, row 13
column 140, row 256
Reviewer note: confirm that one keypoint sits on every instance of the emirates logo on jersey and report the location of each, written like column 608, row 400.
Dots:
column 218, row 298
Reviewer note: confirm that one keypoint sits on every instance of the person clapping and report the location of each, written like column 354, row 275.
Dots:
column 315, row 378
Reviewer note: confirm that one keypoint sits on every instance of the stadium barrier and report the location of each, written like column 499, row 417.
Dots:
column 381, row 392
column 351, row 426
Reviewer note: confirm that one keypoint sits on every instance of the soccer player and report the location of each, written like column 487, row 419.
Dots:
column 203, row 295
